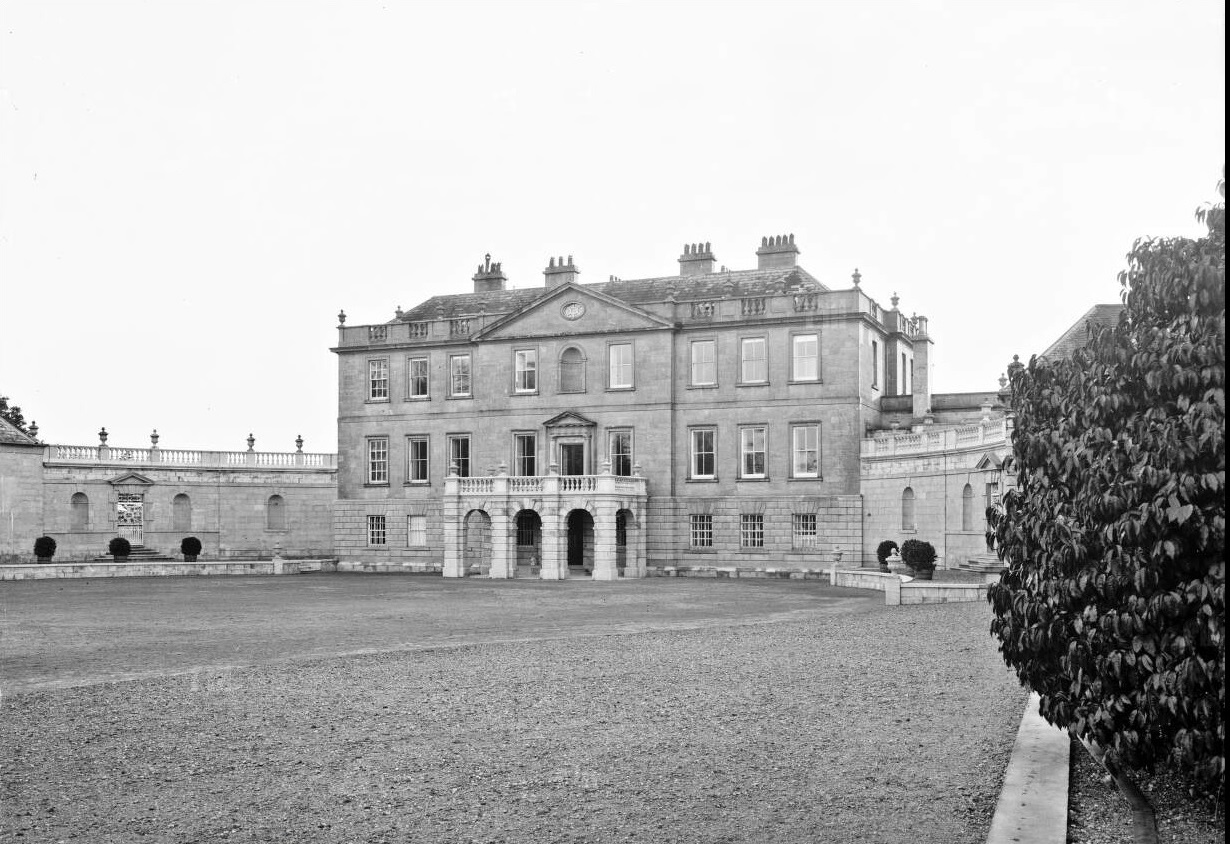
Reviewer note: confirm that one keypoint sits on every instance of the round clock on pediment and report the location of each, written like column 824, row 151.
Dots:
column 572, row 310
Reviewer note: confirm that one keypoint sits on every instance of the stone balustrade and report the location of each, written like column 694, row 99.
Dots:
column 936, row 439
column 119, row 456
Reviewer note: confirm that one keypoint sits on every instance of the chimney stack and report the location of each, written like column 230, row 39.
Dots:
column 697, row 259
column 777, row 252
column 557, row 272
column 489, row 277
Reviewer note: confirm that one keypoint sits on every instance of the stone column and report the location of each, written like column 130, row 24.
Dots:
column 452, row 526
column 554, row 563
column 503, row 556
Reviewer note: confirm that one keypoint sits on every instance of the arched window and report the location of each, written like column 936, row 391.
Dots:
column 181, row 513
column 967, row 508
column 275, row 513
column 80, row 516
column 907, row 509
column 572, row 371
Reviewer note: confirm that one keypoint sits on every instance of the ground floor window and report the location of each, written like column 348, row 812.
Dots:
column 416, row 531
column 702, row 530
column 376, row 533
column 805, row 530
column 751, row 530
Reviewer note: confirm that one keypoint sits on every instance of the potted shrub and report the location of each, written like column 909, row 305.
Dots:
column 883, row 551
column 119, row 548
column 190, row 547
column 920, row 557
column 44, row 549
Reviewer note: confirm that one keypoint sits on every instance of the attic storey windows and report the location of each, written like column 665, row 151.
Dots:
column 620, row 366
column 378, row 379
column 416, row 378
column 753, row 361
column 459, row 376
column 704, row 363
column 526, row 367
column 805, row 358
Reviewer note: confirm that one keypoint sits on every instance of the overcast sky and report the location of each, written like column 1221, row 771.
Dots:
column 190, row 192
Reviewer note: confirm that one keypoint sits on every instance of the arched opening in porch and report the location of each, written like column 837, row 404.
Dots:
column 477, row 546
column 581, row 540
column 529, row 538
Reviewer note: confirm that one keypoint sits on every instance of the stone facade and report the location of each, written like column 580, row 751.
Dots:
column 704, row 418
column 241, row 504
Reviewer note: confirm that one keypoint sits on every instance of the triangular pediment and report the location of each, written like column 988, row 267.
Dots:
column 568, row 419
column 131, row 479
column 989, row 461
column 572, row 309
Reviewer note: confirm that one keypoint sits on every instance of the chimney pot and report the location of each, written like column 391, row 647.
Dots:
column 697, row 259
column 560, row 273
column 489, row 277
column 777, row 252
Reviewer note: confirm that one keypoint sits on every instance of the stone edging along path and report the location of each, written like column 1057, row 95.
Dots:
column 1033, row 803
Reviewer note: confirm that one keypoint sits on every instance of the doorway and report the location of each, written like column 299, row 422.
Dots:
column 130, row 517
column 572, row 458
column 581, row 540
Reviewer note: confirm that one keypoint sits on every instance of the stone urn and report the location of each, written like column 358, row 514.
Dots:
column 895, row 565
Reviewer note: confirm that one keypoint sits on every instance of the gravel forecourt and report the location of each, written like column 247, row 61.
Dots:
column 875, row 725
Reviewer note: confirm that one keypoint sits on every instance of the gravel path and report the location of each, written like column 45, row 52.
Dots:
column 893, row 725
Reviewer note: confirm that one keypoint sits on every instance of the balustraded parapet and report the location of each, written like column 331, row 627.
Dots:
column 189, row 458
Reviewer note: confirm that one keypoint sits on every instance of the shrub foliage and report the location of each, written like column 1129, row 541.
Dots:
column 918, row 554
column 190, row 546
column 1113, row 605
column 44, row 546
column 119, row 547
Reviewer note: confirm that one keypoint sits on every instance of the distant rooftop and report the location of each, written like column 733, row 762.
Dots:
column 1078, row 335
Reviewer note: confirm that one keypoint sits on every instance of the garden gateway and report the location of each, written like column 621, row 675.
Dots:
column 756, row 418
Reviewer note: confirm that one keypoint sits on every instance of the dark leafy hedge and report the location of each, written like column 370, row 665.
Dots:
column 44, row 546
column 119, row 547
column 190, row 546
column 1113, row 603
column 885, row 550
column 918, row 554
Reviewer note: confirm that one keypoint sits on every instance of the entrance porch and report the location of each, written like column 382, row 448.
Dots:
column 560, row 523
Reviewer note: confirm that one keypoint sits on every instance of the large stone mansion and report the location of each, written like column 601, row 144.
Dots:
column 708, row 417
column 755, row 418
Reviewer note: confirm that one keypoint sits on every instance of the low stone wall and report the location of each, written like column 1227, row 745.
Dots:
column 393, row 568
column 50, row 571
column 902, row 589
column 736, row 572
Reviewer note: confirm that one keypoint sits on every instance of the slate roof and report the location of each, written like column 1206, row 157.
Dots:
column 636, row 292
column 10, row 434
column 1078, row 335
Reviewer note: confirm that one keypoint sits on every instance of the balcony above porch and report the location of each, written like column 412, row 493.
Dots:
column 502, row 485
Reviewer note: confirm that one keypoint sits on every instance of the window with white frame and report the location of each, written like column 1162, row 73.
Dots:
column 751, row 530
column 753, row 360
column 805, row 358
column 621, row 366
column 704, row 363
column 805, row 451
column 416, row 531
column 526, row 365
column 572, row 371
column 376, row 530
column 525, row 455
column 417, row 461
column 378, row 460
column 378, row 379
column 459, row 375
column 459, row 454
column 803, row 531
column 752, row 451
column 621, row 452
column 416, row 378
column 704, row 453
column 702, row 530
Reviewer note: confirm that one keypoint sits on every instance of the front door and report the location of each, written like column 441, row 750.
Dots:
column 130, row 517
column 572, row 458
